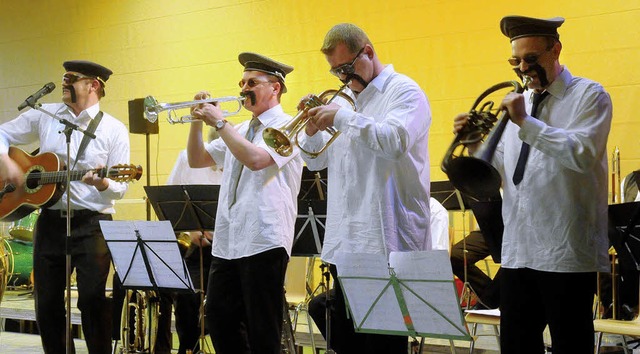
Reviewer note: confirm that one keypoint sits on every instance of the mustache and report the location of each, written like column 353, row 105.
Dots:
column 539, row 70
column 251, row 95
column 72, row 92
column 356, row 77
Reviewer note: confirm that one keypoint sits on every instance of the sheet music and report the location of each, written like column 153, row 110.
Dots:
column 427, row 287
column 163, row 256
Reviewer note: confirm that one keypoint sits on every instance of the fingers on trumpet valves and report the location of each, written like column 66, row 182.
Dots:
column 304, row 101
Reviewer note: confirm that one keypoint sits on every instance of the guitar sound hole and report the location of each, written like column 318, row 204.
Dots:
column 32, row 179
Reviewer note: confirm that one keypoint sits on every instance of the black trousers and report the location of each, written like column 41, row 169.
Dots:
column 487, row 289
column 344, row 339
column 532, row 299
column 91, row 259
column 245, row 301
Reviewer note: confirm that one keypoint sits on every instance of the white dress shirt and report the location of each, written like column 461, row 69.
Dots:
column 111, row 147
column 556, row 219
column 263, row 216
column 183, row 174
column 378, row 171
column 439, row 226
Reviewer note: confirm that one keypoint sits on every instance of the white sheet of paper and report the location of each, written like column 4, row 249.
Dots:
column 427, row 287
column 163, row 256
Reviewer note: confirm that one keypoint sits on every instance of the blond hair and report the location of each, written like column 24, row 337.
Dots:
column 349, row 34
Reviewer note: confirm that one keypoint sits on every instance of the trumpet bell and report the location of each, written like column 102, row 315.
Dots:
column 278, row 141
column 151, row 109
column 283, row 139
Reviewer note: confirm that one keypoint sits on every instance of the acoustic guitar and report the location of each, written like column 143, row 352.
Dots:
column 45, row 182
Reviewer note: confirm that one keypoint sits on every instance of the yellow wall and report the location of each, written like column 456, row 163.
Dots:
column 172, row 49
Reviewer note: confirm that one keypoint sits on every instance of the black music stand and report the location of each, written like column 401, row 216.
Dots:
column 450, row 198
column 624, row 233
column 190, row 207
column 453, row 200
column 310, row 226
column 313, row 185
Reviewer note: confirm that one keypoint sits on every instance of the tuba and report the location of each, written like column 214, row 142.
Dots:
column 140, row 313
column 282, row 140
column 474, row 175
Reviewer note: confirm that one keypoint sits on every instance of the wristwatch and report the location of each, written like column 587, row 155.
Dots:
column 219, row 124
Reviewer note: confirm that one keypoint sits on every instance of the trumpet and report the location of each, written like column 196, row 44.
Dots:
column 152, row 108
column 282, row 140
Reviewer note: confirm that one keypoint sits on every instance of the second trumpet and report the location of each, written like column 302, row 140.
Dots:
column 282, row 140
column 152, row 108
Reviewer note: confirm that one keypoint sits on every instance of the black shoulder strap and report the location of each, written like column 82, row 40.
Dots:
column 93, row 125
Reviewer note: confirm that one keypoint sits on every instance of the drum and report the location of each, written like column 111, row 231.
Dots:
column 20, row 262
column 23, row 229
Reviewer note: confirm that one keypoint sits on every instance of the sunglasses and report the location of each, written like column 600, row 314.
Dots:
column 253, row 83
column 70, row 78
column 346, row 69
column 529, row 59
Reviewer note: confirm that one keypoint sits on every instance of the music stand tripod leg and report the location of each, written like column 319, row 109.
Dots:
column 202, row 338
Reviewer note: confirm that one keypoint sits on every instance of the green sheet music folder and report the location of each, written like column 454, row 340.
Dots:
column 413, row 293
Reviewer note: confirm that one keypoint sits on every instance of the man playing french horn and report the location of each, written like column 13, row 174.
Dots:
column 255, row 220
column 553, row 160
column 378, row 173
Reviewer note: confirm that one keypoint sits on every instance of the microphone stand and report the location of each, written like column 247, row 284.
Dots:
column 69, row 128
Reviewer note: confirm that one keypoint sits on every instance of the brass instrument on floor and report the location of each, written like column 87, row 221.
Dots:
column 474, row 175
column 139, row 326
column 4, row 269
column 616, row 179
column 283, row 139
column 152, row 108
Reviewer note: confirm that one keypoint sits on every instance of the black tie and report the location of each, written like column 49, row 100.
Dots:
column 524, row 151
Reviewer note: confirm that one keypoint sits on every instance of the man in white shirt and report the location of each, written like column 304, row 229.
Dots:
column 257, row 208
column 92, row 199
column 378, row 173
column 555, row 190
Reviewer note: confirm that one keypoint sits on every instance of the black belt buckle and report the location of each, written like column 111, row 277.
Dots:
column 63, row 213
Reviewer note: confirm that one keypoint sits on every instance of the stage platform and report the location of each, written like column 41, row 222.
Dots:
column 18, row 331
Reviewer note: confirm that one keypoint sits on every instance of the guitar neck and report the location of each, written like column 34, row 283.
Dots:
column 61, row 176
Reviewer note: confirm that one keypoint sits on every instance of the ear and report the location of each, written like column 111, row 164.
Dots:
column 277, row 87
column 557, row 48
column 369, row 51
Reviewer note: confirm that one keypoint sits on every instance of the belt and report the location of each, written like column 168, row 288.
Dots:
column 74, row 213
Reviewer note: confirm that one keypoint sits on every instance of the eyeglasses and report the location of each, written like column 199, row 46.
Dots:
column 70, row 78
column 346, row 69
column 253, row 83
column 530, row 59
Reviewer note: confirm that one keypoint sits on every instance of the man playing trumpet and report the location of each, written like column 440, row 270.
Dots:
column 378, row 173
column 255, row 220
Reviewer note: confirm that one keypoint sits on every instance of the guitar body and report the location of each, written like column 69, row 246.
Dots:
column 32, row 195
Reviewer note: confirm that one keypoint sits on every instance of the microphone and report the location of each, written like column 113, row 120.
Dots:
column 7, row 189
column 31, row 100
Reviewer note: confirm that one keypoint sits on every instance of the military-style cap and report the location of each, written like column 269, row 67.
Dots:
column 257, row 62
column 88, row 68
column 516, row 27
